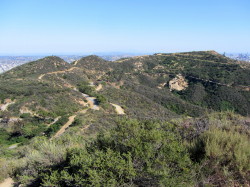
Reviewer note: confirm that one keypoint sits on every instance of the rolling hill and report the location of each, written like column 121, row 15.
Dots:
column 48, row 98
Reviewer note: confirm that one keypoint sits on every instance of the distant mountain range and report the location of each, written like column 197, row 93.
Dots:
column 9, row 62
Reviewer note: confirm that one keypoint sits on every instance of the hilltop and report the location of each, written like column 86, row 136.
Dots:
column 47, row 99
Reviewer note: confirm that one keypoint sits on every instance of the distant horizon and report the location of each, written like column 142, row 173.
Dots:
column 109, row 53
column 73, row 53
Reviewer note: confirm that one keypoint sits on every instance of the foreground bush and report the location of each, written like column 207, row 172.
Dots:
column 134, row 153
column 137, row 153
column 224, row 155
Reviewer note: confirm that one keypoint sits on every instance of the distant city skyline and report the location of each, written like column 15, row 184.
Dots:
column 79, row 27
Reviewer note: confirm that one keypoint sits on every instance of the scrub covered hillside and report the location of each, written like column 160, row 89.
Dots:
column 154, row 120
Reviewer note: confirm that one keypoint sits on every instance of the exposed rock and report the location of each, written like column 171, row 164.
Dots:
column 158, row 67
column 118, row 109
column 162, row 85
column 6, row 104
column 178, row 83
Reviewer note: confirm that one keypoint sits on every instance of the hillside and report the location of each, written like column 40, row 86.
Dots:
column 212, row 80
column 45, row 65
column 95, row 105
column 94, row 66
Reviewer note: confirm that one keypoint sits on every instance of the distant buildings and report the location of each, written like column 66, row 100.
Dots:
column 239, row 56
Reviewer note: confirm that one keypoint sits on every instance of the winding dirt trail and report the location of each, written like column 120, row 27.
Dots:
column 56, row 72
column 76, row 62
column 118, row 109
column 91, row 102
column 65, row 126
column 69, row 122
column 92, row 105
column 7, row 183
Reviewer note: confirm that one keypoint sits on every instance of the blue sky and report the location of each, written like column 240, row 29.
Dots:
column 137, row 26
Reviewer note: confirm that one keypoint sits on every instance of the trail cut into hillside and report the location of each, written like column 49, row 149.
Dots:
column 118, row 109
column 92, row 105
column 91, row 102
column 56, row 72
column 75, row 63
column 65, row 126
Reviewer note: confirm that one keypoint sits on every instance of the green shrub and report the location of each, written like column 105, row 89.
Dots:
column 99, row 168
column 5, row 169
column 229, row 148
column 224, row 156
column 100, row 99
column 85, row 88
column 25, row 115
column 4, row 136
column 30, row 130
column 139, row 153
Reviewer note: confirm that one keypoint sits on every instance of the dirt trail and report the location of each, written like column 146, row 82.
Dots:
column 99, row 87
column 76, row 62
column 5, row 106
column 56, row 72
column 65, row 126
column 91, row 102
column 7, row 183
column 118, row 109
column 55, row 120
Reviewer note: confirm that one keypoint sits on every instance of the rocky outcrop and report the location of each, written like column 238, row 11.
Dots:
column 178, row 83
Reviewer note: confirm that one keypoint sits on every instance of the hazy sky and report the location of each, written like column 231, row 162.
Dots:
column 85, row 26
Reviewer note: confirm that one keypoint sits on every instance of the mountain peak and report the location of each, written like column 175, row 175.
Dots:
column 93, row 58
column 52, row 58
column 41, row 66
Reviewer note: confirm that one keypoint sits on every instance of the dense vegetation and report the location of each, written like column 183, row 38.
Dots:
column 215, row 82
column 142, row 153
column 165, row 137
